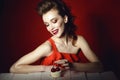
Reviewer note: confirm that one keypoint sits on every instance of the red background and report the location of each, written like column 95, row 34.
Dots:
column 22, row 29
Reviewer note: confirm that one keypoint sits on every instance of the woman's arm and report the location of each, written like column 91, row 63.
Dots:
column 23, row 64
column 95, row 65
column 87, row 67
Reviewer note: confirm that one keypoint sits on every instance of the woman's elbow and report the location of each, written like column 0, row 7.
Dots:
column 14, row 69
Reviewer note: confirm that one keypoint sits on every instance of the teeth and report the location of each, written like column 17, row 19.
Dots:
column 54, row 31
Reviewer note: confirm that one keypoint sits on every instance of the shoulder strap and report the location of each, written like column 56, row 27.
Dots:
column 53, row 44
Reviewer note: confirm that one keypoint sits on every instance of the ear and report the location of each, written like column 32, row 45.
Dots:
column 65, row 18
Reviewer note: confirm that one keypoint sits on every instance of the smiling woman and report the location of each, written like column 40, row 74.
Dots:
column 54, row 22
column 62, row 48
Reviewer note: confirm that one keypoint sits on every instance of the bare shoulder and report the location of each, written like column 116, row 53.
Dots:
column 80, row 37
column 44, row 48
column 84, row 46
column 80, row 40
column 46, row 45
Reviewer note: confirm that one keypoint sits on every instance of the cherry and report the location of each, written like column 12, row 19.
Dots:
column 53, row 69
column 57, row 69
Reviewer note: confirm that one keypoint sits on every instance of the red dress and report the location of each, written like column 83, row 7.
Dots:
column 56, row 55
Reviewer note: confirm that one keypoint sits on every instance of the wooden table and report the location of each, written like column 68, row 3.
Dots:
column 68, row 75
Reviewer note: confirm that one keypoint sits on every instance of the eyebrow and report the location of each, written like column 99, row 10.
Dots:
column 50, row 20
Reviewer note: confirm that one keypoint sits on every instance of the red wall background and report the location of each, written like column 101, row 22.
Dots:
column 22, row 29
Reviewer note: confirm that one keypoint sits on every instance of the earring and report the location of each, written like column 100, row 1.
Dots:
column 65, row 21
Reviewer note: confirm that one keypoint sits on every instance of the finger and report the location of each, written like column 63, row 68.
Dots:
column 65, row 60
column 59, row 62
column 67, row 67
column 62, row 61
column 66, row 64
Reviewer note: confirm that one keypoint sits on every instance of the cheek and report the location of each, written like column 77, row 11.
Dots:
column 60, row 24
column 47, row 29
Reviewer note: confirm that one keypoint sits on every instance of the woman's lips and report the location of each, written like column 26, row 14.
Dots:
column 55, row 31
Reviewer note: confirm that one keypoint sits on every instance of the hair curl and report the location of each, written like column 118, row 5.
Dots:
column 46, row 5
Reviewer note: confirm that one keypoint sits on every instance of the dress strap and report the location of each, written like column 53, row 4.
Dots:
column 53, row 44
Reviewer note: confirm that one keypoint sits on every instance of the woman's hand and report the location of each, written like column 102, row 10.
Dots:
column 63, row 63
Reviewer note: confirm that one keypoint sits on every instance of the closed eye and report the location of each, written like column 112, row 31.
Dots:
column 54, row 20
column 46, row 24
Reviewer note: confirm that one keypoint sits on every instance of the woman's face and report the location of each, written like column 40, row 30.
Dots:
column 54, row 22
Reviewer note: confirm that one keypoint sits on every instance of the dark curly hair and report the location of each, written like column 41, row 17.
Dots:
column 46, row 5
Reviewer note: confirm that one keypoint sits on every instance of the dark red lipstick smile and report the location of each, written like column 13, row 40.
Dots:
column 55, row 31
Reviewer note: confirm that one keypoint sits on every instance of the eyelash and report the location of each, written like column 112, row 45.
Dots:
column 46, row 25
column 54, row 21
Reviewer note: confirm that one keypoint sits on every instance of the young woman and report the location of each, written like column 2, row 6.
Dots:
column 63, row 47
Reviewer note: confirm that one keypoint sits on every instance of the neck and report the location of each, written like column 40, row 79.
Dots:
column 65, row 39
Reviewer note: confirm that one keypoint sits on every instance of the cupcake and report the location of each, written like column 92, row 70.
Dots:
column 55, row 71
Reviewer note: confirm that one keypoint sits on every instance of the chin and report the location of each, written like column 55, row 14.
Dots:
column 58, row 36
